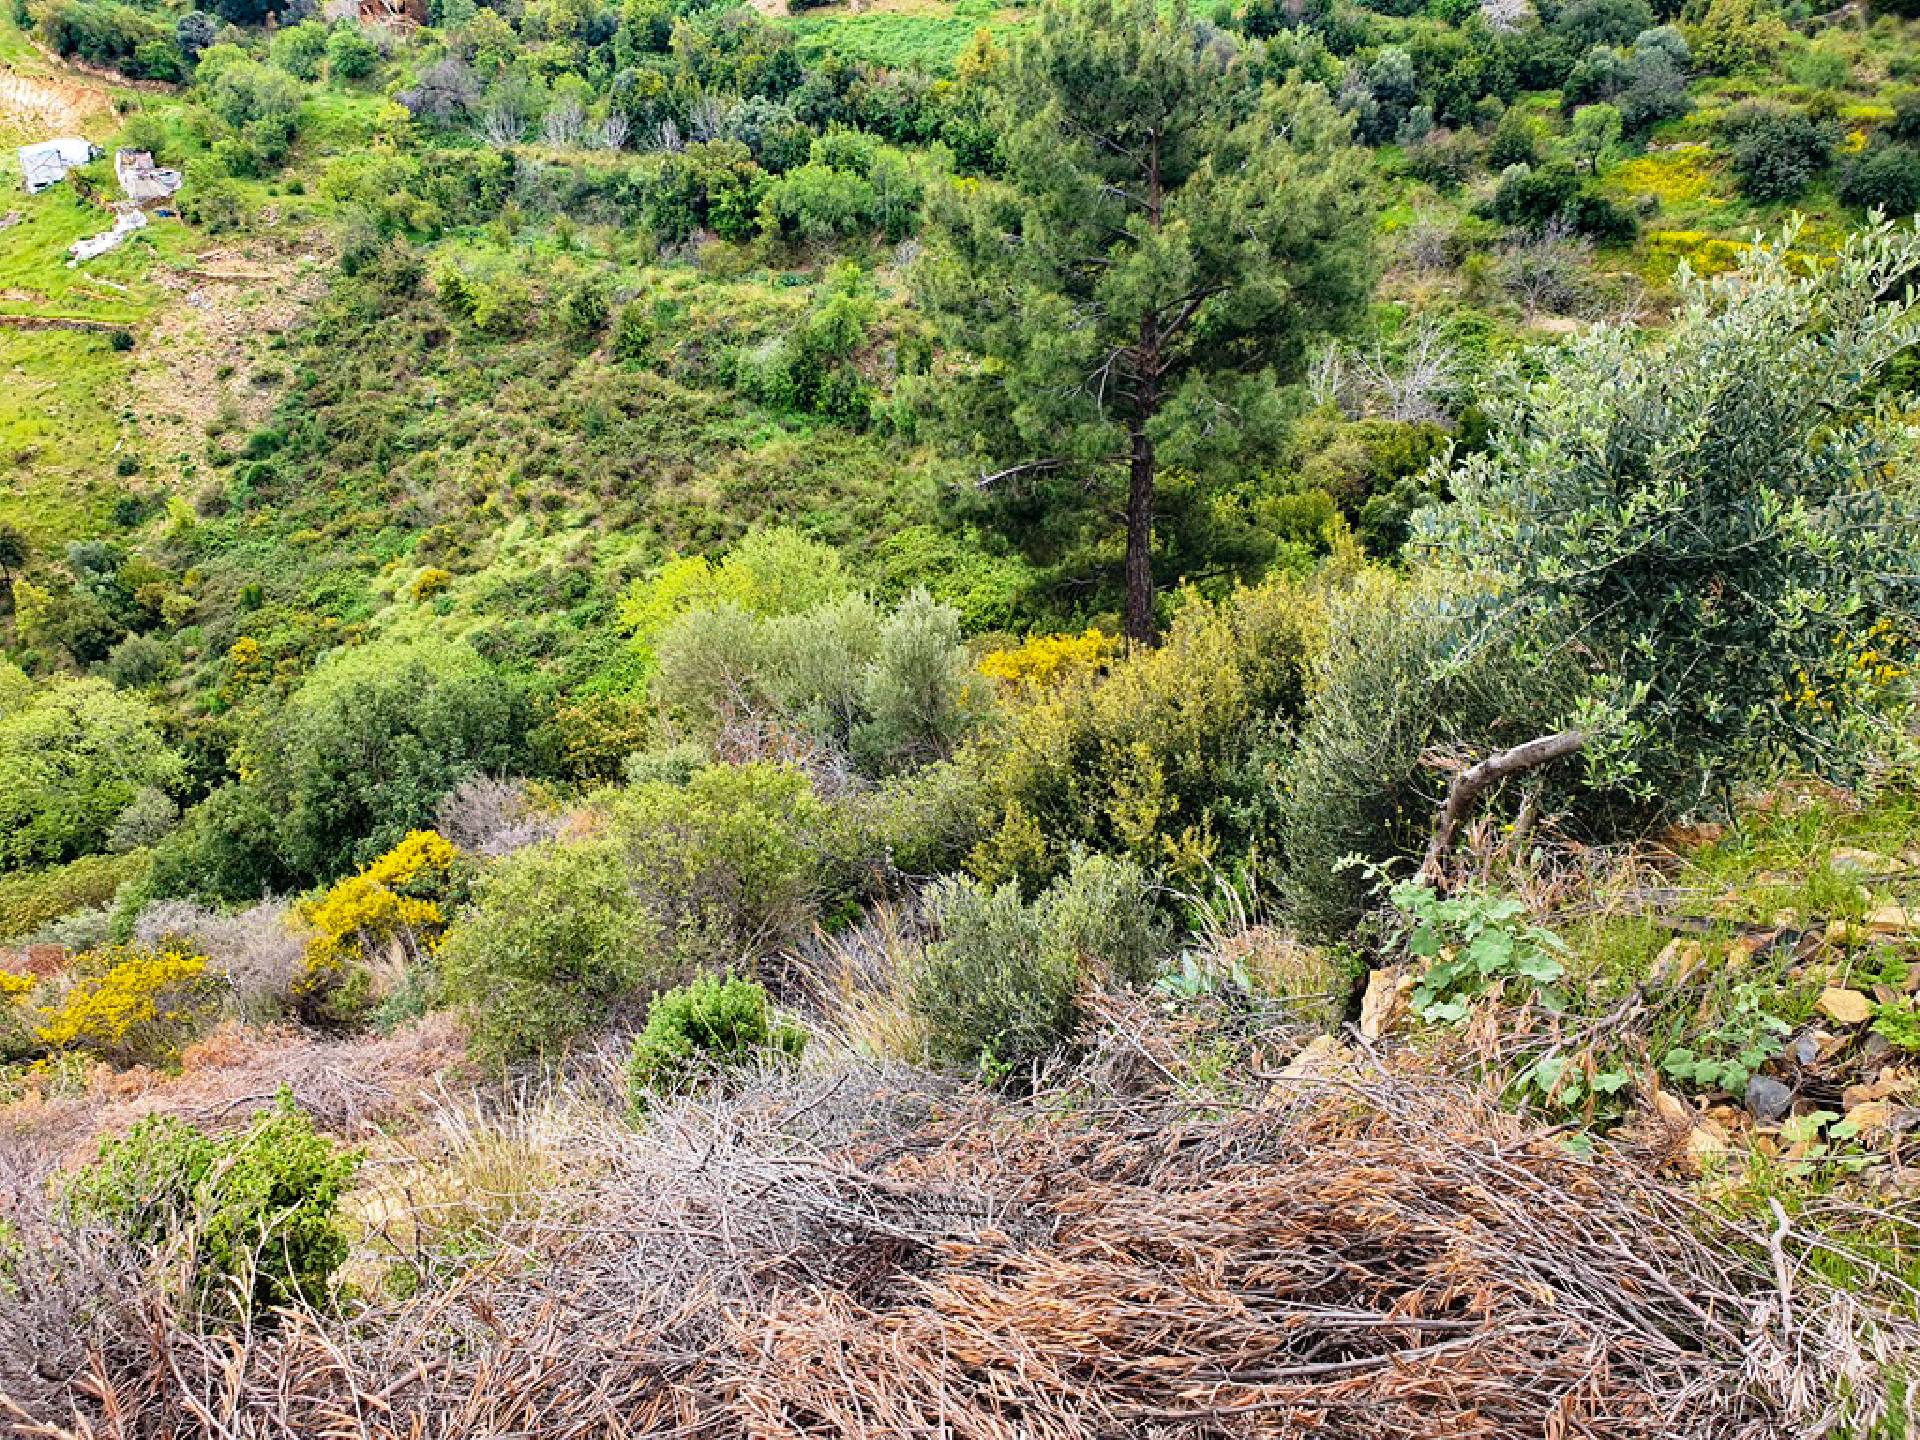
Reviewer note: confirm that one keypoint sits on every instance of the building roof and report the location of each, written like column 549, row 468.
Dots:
column 47, row 161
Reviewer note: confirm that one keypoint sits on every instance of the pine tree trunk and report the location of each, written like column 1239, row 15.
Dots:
column 1140, row 625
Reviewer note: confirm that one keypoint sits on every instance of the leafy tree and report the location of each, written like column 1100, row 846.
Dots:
column 72, row 756
column 1168, row 240
column 370, row 743
column 1596, row 130
column 13, row 553
column 351, row 55
column 1723, row 526
column 1777, row 149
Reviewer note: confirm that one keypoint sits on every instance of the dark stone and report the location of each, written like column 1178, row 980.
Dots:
column 1767, row 1099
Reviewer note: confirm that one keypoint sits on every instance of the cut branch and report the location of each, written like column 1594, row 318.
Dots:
column 1469, row 784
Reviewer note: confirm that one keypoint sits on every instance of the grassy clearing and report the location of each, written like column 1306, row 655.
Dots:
column 922, row 34
column 60, row 431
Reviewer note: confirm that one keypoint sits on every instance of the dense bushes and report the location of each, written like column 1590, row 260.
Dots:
column 555, row 937
column 30, row 899
column 131, row 1005
column 733, row 862
column 1002, row 983
column 1777, row 149
column 253, row 1216
column 1164, row 758
column 371, row 742
column 881, row 692
column 1397, row 680
column 1710, row 517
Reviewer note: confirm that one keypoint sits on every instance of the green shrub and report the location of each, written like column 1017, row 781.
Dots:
column 255, row 1214
column 1888, row 180
column 1711, row 517
column 73, row 754
column 1777, row 149
column 886, row 692
column 1390, row 688
column 699, row 1031
column 30, row 899
column 1472, row 942
column 1163, row 757
column 373, row 740
column 1001, row 985
column 739, row 860
column 554, row 939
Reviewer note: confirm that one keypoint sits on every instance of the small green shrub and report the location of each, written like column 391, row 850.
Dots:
column 738, row 860
column 255, row 1214
column 1472, row 943
column 1725, row 1057
column 555, row 938
column 1001, row 985
column 699, row 1031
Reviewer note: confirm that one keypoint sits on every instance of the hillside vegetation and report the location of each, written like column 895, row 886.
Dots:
column 952, row 719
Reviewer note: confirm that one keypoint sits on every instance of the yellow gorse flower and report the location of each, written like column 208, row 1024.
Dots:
column 1045, row 659
column 134, row 1008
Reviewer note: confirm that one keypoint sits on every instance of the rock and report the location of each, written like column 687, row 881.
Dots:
column 1859, row 862
column 1321, row 1055
column 1847, row 1007
column 1768, row 1100
column 1871, row 1119
column 1385, row 1001
column 1806, row 1049
column 1892, row 920
column 1706, row 1144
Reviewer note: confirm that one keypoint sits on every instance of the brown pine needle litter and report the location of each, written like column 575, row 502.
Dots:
column 862, row 1251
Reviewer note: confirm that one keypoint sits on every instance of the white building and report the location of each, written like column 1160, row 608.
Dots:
column 48, row 162
column 143, row 180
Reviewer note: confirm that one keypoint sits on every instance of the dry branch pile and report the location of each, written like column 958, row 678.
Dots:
column 844, row 1254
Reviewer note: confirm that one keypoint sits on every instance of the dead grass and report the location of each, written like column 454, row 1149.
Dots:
column 867, row 1250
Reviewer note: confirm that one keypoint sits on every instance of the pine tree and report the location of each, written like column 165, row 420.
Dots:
column 1167, row 240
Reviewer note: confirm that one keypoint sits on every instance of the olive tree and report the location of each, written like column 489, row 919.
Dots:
column 1721, row 525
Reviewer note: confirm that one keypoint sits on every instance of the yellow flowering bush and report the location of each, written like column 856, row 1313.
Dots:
column 429, row 583
column 1045, row 659
column 131, row 1005
column 388, row 916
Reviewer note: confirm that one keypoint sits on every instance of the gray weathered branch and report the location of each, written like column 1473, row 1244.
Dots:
column 1469, row 784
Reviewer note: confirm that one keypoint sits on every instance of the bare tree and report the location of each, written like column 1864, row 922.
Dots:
column 502, row 120
column 446, row 90
column 1429, row 244
column 566, row 120
column 1504, row 15
column 667, row 136
column 1546, row 272
column 613, row 131
column 706, row 119
column 1415, row 385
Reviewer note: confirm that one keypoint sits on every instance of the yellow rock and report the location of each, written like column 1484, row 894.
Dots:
column 1676, row 962
column 1870, row 1118
column 1385, row 1001
column 1848, row 1007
